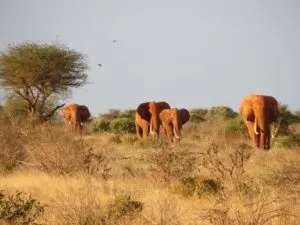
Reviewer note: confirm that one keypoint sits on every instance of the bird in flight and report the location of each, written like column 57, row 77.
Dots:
column 99, row 65
column 114, row 41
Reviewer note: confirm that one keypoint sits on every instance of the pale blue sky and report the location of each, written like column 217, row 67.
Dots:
column 190, row 53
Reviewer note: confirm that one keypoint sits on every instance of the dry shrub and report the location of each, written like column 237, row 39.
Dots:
column 86, row 209
column 164, row 212
column 261, row 211
column 19, row 208
column 12, row 151
column 53, row 150
column 284, row 174
column 171, row 163
column 227, row 164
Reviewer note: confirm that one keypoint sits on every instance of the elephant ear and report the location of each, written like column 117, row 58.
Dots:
column 143, row 111
column 164, row 115
column 184, row 115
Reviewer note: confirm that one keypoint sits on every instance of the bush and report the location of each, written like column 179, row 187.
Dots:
column 168, row 164
column 128, row 113
column 122, row 126
column 221, row 111
column 110, row 115
column 19, row 209
column 207, row 186
column 235, row 125
column 12, row 151
column 123, row 206
column 101, row 125
column 198, row 115
column 187, row 186
column 287, row 141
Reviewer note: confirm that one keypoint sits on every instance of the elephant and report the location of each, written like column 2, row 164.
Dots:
column 259, row 112
column 172, row 121
column 147, row 118
column 75, row 115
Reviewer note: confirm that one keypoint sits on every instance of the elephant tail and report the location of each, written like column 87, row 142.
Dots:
column 255, row 127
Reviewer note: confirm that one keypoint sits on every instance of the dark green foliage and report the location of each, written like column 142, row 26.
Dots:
column 124, row 206
column 39, row 73
column 286, row 116
column 19, row 209
column 198, row 115
column 207, row 186
column 111, row 114
column 297, row 114
column 128, row 113
column 221, row 111
column 187, row 186
column 287, row 141
column 235, row 125
column 101, row 125
column 15, row 106
column 122, row 126
column 116, row 121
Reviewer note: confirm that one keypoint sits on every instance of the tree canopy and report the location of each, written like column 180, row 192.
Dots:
column 41, row 73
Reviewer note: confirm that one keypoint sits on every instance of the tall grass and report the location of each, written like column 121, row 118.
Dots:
column 116, row 179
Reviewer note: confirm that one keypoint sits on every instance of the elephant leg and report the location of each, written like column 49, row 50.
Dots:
column 265, row 140
column 169, row 132
column 139, row 131
column 254, row 138
column 145, row 130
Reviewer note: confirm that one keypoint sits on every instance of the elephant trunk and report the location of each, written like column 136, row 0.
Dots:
column 154, row 126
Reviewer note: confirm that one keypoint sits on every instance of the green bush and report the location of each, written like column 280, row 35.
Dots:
column 128, row 113
column 198, row 115
column 235, row 125
column 124, row 206
column 187, row 186
column 19, row 209
column 287, row 141
column 122, row 126
column 207, row 186
column 101, row 125
column 221, row 111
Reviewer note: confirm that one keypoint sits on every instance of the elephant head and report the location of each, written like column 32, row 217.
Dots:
column 259, row 112
column 147, row 118
column 172, row 121
column 75, row 115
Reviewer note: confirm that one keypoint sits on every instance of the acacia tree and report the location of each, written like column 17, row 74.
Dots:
column 39, row 73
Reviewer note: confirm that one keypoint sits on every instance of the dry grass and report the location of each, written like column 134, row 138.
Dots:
column 78, row 178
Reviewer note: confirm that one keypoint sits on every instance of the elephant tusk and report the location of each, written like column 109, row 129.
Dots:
column 151, row 131
column 175, row 133
column 255, row 128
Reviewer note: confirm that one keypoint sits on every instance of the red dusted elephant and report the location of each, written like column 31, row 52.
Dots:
column 75, row 115
column 147, row 118
column 172, row 121
column 259, row 112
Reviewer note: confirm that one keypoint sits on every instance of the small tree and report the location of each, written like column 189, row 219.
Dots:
column 41, row 73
